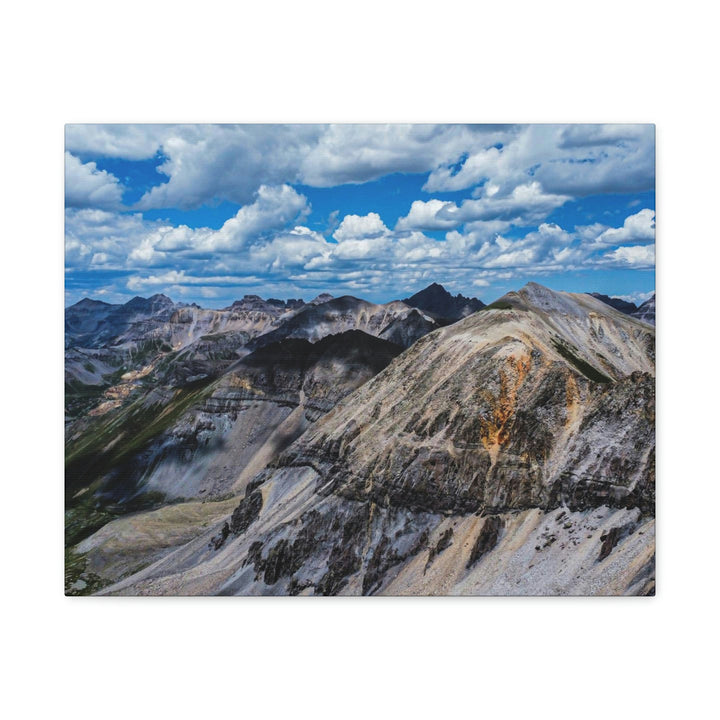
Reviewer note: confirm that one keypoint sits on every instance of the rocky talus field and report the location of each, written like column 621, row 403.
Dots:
column 431, row 446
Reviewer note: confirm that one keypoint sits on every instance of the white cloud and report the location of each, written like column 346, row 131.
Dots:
column 130, row 142
column 138, row 283
column 354, row 227
column 588, row 136
column 636, row 228
column 265, row 244
column 523, row 205
column 229, row 162
column 290, row 249
column 272, row 209
column 362, row 248
column 506, row 165
column 564, row 159
column 480, row 166
column 425, row 216
column 358, row 153
column 635, row 256
column 368, row 258
column 89, row 232
column 86, row 186
column 210, row 162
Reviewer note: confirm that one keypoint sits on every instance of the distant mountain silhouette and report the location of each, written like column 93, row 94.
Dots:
column 439, row 303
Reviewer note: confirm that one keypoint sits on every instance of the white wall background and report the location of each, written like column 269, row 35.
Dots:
column 376, row 61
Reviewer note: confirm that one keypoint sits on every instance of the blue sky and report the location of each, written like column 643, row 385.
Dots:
column 209, row 213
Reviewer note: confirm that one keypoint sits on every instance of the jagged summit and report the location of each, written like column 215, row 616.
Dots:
column 438, row 302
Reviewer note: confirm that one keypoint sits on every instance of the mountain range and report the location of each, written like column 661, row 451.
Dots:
column 433, row 445
column 645, row 311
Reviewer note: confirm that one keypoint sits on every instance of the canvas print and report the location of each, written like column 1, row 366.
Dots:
column 368, row 359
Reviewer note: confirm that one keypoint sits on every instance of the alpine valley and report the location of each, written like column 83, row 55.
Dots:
column 426, row 446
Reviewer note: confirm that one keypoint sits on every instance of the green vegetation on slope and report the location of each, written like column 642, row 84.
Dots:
column 585, row 368
column 100, row 461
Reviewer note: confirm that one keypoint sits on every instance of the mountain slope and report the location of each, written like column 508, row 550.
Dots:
column 511, row 452
column 209, row 439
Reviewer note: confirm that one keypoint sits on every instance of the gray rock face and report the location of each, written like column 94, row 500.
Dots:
column 509, row 453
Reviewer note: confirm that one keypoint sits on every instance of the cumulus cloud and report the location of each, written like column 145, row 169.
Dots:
column 205, row 163
column 636, row 228
column 426, row 216
column 355, row 227
column 566, row 160
column 90, row 232
column 635, row 256
column 507, row 179
column 273, row 209
column 289, row 250
column 363, row 257
column 209, row 163
column 585, row 136
column 129, row 142
column 524, row 205
column 358, row 153
column 86, row 186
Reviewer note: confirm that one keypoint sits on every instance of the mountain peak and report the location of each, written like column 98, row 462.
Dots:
column 87, row 302
column 437, row 301
column 321, row 298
